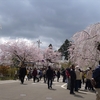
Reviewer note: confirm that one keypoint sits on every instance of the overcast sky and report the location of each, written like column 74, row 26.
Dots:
column 50, row 21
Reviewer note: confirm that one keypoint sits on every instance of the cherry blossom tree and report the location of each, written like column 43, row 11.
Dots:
column 21, row 50
column 85, row 48
column 13, row 52
column 51, row 56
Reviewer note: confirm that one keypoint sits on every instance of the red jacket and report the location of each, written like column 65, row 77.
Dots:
column 67, row 74
column 34, row 73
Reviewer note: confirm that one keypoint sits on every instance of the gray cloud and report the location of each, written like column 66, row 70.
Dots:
column 51, row 21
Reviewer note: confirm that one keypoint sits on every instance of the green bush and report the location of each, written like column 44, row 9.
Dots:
column 7, row 72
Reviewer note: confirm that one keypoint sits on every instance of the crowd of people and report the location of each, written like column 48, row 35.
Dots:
column 74, row 76
column 36, row 74
column 90, row 77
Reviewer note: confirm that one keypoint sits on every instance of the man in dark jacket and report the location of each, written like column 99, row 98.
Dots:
column 34, row 74
column 58, row 75
column 96, row 77
column 22, row 72
column 73, row 79
column 49, row 75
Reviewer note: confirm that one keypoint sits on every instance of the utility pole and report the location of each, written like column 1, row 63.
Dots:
column 39, row 42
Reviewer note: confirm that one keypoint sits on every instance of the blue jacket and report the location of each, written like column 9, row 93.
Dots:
column 96, row 76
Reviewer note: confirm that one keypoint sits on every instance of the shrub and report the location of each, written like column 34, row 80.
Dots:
column 4, row 70
column 7, row 72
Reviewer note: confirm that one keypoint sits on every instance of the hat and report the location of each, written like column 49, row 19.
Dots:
column 88, row 68
column 77, row 67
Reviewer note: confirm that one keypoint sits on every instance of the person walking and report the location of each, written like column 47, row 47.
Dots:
column 88, row 79
column 68, row 78
column 44, row 75
column 49, row 74
column 83, row 77
column 96, row 78
column 58, row 75
column 34, row 74
column 78, row 78
column 64, row 75
column 73, row 79
column 28, row 76
column 22, row 72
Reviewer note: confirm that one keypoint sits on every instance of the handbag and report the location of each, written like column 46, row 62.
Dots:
column 93, row 82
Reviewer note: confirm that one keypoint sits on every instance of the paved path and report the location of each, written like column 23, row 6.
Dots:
column 13, row 90
column 8, row 81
